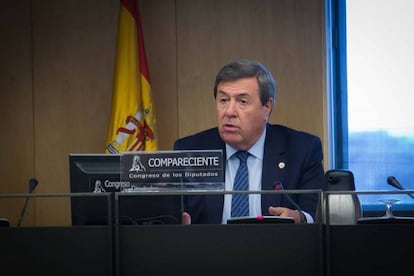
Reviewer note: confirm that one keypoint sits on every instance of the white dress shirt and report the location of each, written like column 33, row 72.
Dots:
column 254, row 163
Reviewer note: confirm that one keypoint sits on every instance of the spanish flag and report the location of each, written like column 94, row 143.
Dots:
column 132, row 125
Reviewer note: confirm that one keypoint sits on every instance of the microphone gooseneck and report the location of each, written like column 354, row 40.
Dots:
column 32, row 185
column 391, row 180
column 279, row 187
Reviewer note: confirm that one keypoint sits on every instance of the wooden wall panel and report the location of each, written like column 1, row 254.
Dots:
column 158, row 22
column 74, row 50
column 286, row 36
column 16, row 108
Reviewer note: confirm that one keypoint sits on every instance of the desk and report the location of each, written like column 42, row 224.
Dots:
column 84, row 250
column 386, row 249
column 266, row 249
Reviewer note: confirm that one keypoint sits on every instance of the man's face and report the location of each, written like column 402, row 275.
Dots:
column 241, row 117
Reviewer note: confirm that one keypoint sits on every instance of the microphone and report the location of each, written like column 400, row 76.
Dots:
column 32, row 185
column 279, row 187
column 391, row 180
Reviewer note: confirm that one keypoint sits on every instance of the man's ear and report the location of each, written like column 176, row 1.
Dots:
column 268, row 106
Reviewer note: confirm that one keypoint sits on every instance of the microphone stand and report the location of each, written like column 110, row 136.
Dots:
column 32, row 185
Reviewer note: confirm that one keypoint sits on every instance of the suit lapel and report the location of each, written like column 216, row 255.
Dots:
column 274, row 165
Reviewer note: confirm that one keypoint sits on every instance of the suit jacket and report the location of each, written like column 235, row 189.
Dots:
column 291, row 157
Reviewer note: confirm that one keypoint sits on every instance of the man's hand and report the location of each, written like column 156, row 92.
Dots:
column 186, row 218
column 285, row 212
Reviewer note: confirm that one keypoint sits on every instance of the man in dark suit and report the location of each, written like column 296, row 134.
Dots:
column 277, row 156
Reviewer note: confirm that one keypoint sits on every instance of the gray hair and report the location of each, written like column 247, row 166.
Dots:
column 248, row 68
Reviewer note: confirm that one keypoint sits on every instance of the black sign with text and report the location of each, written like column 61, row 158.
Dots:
column 193, row 169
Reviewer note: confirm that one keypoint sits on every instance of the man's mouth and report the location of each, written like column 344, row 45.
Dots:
column 230, row 127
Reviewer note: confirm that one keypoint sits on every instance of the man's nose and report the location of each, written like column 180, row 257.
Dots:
column 231, row 108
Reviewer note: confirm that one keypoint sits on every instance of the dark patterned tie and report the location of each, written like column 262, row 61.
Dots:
column 240, row 202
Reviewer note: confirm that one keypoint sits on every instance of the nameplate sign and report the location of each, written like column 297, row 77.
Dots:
column 188, row 170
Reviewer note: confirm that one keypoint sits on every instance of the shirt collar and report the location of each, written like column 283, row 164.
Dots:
column 256, row 150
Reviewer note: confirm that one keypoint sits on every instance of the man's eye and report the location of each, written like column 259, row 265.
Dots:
column 243, row 102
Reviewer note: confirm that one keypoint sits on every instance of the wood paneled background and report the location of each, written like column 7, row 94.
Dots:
column 56, row 70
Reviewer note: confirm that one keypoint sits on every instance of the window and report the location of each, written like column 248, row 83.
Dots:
column 370, row 68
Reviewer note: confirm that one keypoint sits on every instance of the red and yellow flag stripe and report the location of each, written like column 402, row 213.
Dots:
column 132, row 125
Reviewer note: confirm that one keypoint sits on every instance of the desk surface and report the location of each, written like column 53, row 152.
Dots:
column 385, row 249
column 266, row 249
column 56, row 251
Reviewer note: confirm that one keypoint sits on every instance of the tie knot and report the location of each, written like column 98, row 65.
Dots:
column 242, row 156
